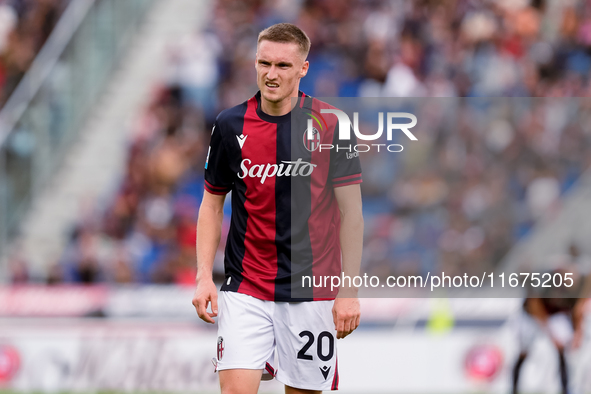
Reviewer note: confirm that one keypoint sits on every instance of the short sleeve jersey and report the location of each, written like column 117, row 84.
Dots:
column 285, row 219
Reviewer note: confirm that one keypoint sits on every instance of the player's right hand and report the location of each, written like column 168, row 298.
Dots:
column 205, row 293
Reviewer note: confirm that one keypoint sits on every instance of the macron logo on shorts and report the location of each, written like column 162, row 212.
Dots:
column 325, row 371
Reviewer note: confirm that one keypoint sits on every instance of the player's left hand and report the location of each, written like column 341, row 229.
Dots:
column 346, row 314
column 577, row 339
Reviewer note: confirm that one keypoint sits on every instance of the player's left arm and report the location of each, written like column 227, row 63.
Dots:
column 578, row 314
column 578, row 317
column 346, row 311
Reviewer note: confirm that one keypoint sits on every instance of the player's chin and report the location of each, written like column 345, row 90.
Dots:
column 273, row 97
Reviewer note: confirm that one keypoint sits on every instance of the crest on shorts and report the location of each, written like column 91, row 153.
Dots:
column 220, row 348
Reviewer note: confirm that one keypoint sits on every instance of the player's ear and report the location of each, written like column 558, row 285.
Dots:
column 304, row 70
column 256, row 59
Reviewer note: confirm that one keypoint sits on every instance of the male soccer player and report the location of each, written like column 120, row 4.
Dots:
column 296, row 211
column 559, row 314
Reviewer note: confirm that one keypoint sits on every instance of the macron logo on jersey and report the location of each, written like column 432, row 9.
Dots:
column 241, row 138
column 286, row 168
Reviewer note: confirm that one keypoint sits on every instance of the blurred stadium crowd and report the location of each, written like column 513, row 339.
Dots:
column 456, row 202
column 24, row 27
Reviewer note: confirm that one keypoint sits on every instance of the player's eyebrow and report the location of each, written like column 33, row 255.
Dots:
column 279, row 64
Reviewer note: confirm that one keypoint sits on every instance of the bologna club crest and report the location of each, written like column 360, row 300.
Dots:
column 220, row 348
column 311, row 144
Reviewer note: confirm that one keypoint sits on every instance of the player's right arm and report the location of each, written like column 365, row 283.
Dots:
column 209, row 231
column 218, row 182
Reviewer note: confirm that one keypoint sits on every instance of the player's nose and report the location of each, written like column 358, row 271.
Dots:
column 272, row 74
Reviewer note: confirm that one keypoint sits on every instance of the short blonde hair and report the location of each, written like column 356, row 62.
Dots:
column 286, row 32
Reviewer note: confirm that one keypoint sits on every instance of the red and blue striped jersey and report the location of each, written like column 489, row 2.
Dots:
column 285, row 219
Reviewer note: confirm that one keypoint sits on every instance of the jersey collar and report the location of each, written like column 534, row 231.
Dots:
column 271, row 118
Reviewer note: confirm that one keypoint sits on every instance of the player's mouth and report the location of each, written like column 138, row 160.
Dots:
column 272, row 85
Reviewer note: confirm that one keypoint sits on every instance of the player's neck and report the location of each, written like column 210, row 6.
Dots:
column 279, row 109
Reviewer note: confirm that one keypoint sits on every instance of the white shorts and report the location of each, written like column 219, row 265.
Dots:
column 302, row 335
column 558, row 327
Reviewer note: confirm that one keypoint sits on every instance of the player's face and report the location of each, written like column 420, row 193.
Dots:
column 279, row 69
